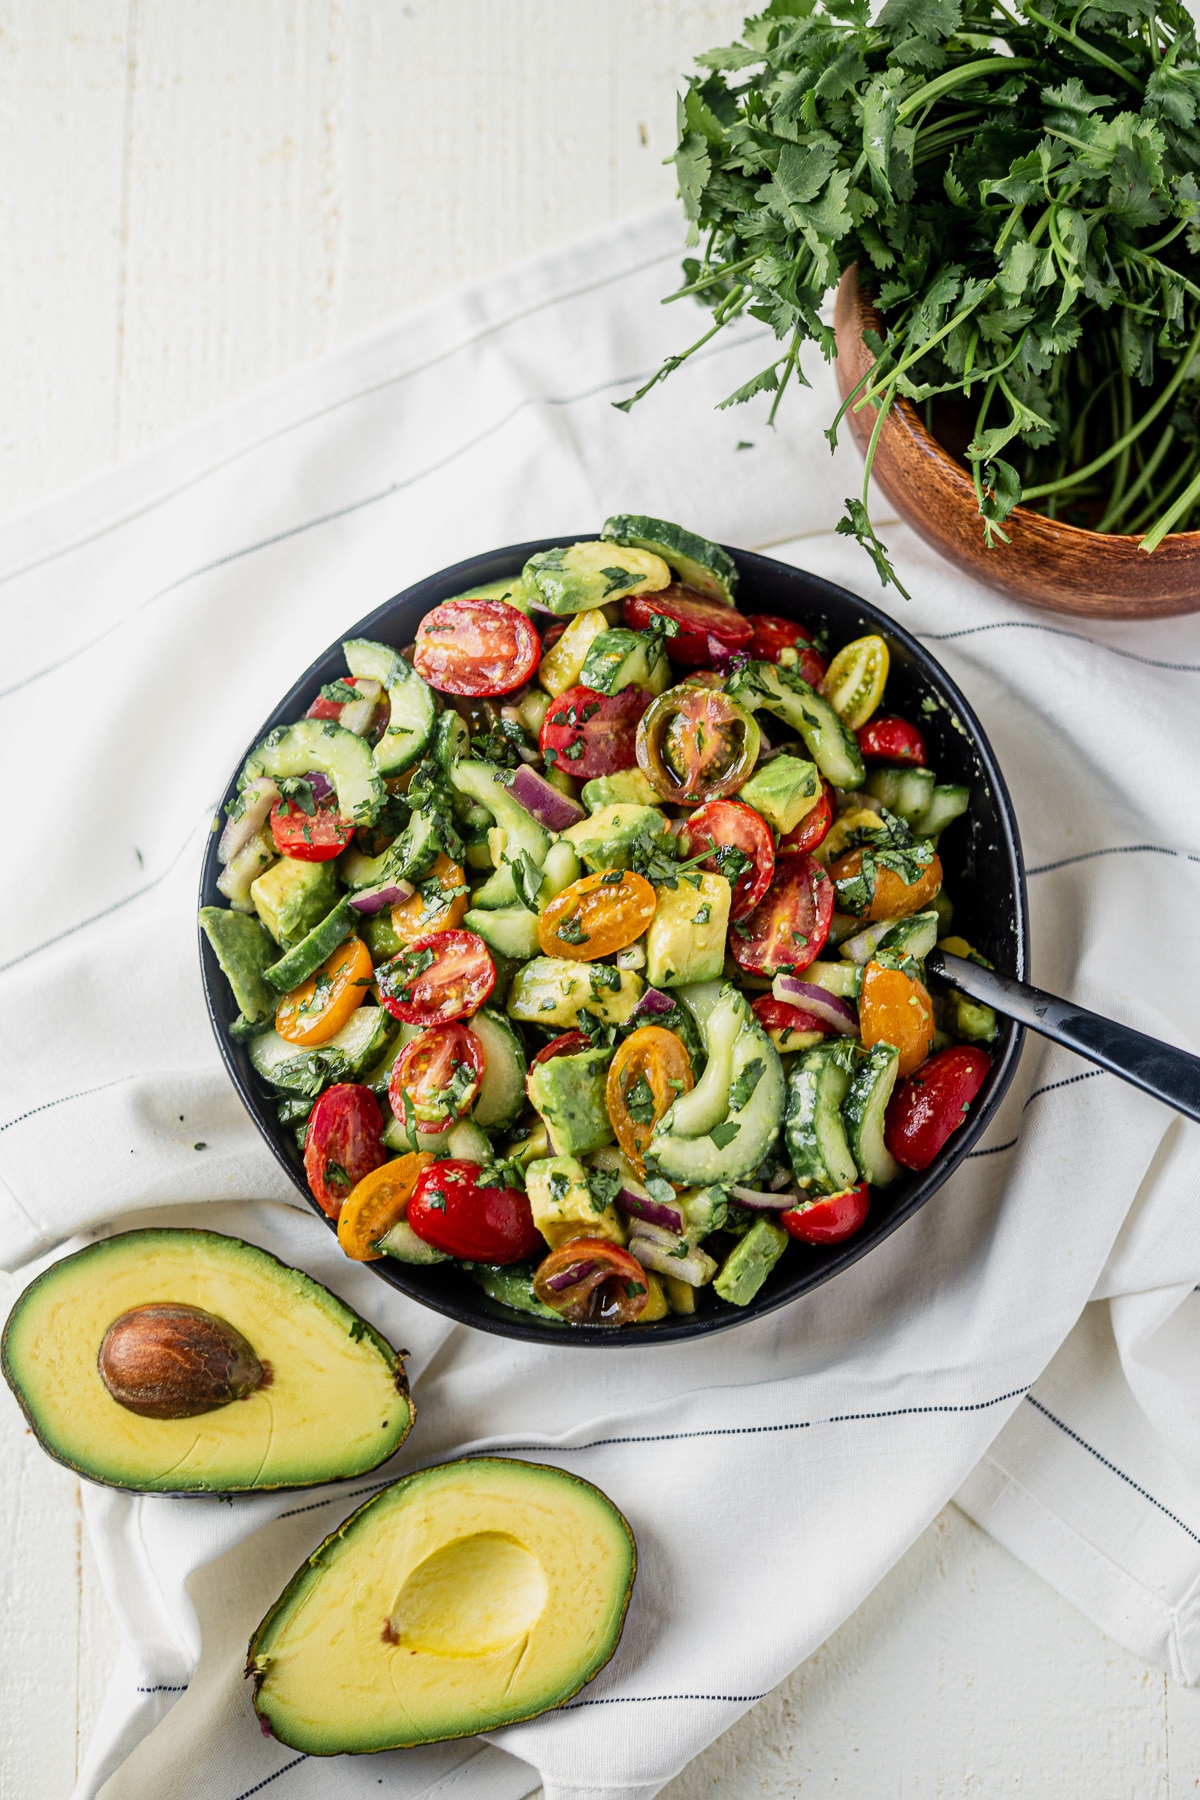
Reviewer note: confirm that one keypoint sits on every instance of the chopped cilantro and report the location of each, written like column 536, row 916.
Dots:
column 744, row 1085
column 640, row 1103
column 724, row 1134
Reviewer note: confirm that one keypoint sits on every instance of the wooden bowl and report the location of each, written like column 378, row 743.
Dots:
column 1094, row 573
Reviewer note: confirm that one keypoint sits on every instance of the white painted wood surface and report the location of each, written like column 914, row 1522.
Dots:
column 193, row 199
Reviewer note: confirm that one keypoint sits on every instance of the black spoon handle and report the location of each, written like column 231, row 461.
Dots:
column 1159, row 1069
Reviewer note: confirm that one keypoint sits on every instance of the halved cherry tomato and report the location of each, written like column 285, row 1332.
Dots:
column 587, row 734
column 892, row 897
column 854, row 682
column 376, row 1204
column 889, row 739
column 813, row 828
column 446, row 975
column 476, row 647
column 696, row 744
column 830, row 1220
column 788, row 1027
column 568, row 1043
column 316, row 836
column 316, row 1010
column 597, row 915
column 894, row 1008
column 438, row 904
column 933, row 1103
column 790, row 923
column 590, row 1281
column 779, row 640
column 645, row 1078
column 344, row 1142
column 698, row 620
column 730, row 825
column 481, row 1224
column 435, row 1079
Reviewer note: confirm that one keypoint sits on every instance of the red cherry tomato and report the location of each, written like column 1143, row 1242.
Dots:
column 481, row 1224
column 813, row 828
column 435, row 1079
column 891, row 740
column 476, row 647
column 592, row 1282
column 444, row 975
column 344, row 1142
column 790, row 923
column 318, row 836
column 731, row 825
column 781, row 1015
column 570, row 1043
column 698, row 620
column 830, row 1220
column 773, row 635
column 927, row 1108
column 587, row 734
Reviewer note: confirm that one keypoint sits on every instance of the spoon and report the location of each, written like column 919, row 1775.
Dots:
column 1159, row 1069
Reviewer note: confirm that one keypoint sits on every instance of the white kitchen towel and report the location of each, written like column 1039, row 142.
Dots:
column 774, row 1473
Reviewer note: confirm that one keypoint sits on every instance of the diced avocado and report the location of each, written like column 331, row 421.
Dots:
column 552, row 991
column 750, row 1262
column 562, row 665
column 306, row 957
column 336, row 1405
column 577, row 577
column 525, row 841
column 723, row 1128
column 465, row 1597
column 831, row 744
column 629, row 786
column 334, row 752
column 607, row 839
column 511, row 1284
column 681, row 1296
column 973, row 1020
column 685, row 940
column 293, row 896
column 568, row 1092
column 512, row 930
column 656, row 1307
column 619, row 659
column 699, row 564
column 783, row 791
column 563, row 1206
column 243, row 947
column 413, row 714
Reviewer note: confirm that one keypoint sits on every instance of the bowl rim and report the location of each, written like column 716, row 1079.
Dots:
column 494, row 565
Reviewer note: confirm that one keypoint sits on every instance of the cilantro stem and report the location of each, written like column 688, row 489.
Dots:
column 924, row 348
column 952, row 78
column 1080, row 44
column 1185, row 502
column 1120, row 505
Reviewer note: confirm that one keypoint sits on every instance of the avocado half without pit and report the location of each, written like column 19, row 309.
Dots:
column 466, row 1597
column 183, row 1362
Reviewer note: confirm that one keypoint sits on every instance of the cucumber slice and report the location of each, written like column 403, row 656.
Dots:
column 403, row 1243
column 915, row 936
column 359, row 1044
column 524, row 837
column 243, row 947
column 324, row 745
column 413, row 710
column 620, row 659
column 946, row 804
column 502, row 1090
column 815, row 1134
column 513, row 1287
column 509, row 930
column 451, row 740
column 698, row 563
column 379, row 1074
column 832, row 745
column 905, row 792
column 467, row 1142
column 863, row 1111
column 308, row 955
column 577, row 578
column 723, row 1128
column 841, row 978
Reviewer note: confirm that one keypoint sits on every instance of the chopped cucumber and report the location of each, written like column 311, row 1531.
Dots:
column 699, row 564
column 750, row 1262
column 863, row 1111
column 307, row 956
column 619, row 659
column 575, row 578
column 320, row 744
column 413, row 712
column 915, row 936
column 451, row 740
column 525, row 840
column 512, row 1286
column 244, row 948
column 403, row 1243
column 946, row 804
column 510, row 930
column 815, row 1133
column 841, row 978
column 502, row 1090
column 832, row 745
column 364, row 1038
column 723, row 1128
column 359, row 1045
column 905, row 792
column 467, row 1142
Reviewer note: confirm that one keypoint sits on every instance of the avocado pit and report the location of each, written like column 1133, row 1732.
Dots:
column 168, row 1360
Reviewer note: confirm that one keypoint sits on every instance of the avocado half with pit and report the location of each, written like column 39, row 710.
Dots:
column 187, row 1362
column 466, row 1597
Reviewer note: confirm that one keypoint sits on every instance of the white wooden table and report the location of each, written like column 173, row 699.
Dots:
column 196, row 198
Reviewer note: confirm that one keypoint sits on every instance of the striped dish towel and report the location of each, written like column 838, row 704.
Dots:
column 1028, row 1343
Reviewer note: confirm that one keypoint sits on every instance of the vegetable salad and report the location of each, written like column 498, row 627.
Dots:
column 581, row 941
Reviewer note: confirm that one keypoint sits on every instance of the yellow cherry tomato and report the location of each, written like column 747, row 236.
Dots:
column 421, row 912
column 377, row 1203
column 597, row 915
column 316, row 1010
column 895, row 1009
column 646, row 1076
column 854, row 682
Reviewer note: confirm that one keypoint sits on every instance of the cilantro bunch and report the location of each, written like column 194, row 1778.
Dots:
column 1019, row 185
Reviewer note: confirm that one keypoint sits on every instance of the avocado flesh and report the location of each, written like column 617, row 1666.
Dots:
column 466, row 1597
column 336, row 1404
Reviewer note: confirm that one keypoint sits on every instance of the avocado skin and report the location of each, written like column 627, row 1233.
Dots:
column 243, row 947
column 568, row 1092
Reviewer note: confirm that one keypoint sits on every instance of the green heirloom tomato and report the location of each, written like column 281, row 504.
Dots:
column 696, row 744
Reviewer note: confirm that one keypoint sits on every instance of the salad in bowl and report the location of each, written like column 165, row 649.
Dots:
column 579, row 942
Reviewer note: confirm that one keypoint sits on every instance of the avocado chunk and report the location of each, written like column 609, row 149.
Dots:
column 550, row 990
column 293, row 896
column 243, row 948
column 468, row 1596
column 568, row 1092
column 685, row 940
column 562, row 666
column 782, row 791
column 628, row 785
column 723, row 1128
column 608, row 838
column 575, row 578
column 335, row 1404
column 564, row 1205
column 750, row 1262
column 619, row 659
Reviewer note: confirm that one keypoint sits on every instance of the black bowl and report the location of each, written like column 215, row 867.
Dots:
column 985, row 876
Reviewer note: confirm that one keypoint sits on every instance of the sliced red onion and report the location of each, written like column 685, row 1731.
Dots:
column 755, row 1201
column 568, row 1277
column 322, row 787
column 257, row 798
column 542, row 800
column 653, row 1212
column 862, row 946
column 371, row 900
column 835, row 1013
column 724, row 659
column 654, row 1001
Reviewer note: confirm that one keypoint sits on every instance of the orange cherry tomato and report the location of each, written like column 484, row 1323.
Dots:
column 316, row 1010
column 895, row 1009
column 597, row 915
column 646, row 1076
column 376, row 1204
column 424, row 911
column 893, row 898
column 592, row 1282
